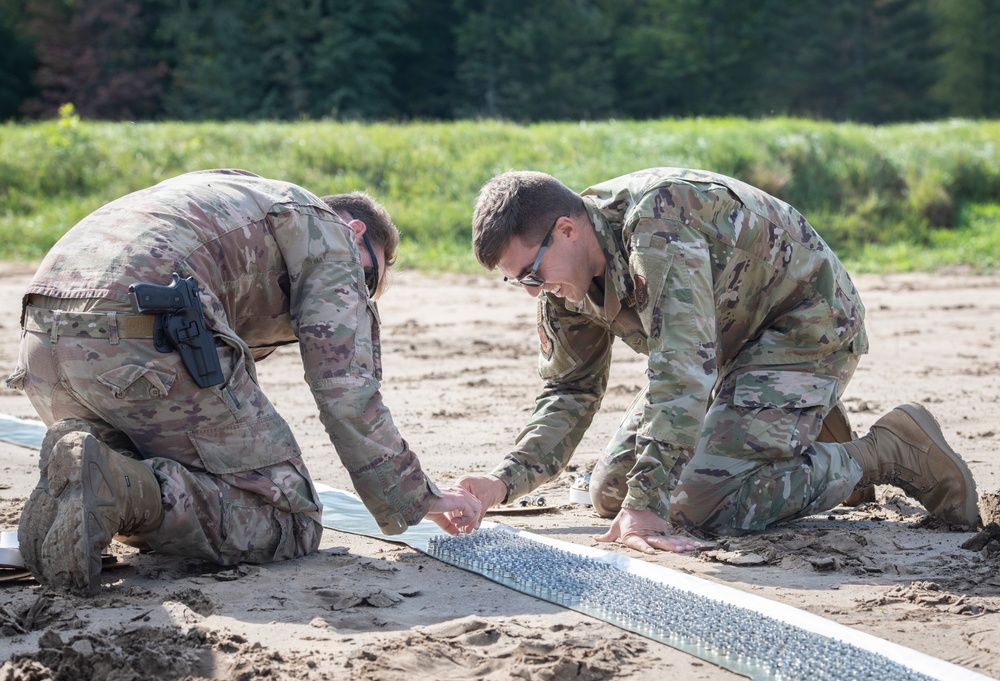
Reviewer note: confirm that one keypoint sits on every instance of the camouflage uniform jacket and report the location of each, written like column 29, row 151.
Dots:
column 275, row 266
column 705, row 275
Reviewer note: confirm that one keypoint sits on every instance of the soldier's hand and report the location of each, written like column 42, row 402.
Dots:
column 488, row 489
column 645, row 531
column 456, row 511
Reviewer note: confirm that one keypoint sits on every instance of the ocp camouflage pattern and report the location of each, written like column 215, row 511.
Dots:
column 275, row 266
column 709, row 277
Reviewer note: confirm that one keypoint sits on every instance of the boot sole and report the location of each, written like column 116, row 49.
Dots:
column 60, row 530
column 40, row 511
column 927, row 423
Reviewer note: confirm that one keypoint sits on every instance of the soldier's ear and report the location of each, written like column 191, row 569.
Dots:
column 357, row 226
column 567, row 227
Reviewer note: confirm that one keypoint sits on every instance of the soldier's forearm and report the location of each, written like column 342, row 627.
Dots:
column 546, row 444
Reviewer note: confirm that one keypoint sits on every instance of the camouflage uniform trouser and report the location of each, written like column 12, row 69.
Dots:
column 233, row 483
column 757, row 462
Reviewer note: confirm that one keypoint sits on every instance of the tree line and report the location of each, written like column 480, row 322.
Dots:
column 872, row 61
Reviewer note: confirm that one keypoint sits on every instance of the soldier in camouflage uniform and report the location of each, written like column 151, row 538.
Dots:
column 752, row 329
column 136, row 448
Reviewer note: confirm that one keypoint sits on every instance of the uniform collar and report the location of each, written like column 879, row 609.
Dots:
column 619, row 289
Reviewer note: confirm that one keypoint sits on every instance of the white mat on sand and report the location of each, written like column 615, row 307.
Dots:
column 344, row 511
column 24, row 432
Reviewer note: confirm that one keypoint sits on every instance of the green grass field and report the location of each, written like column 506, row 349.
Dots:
column 892, row 198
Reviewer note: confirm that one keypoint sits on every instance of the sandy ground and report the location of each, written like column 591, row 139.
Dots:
column 459, row 359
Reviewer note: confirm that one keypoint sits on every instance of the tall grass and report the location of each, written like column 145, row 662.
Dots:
column 886, row 198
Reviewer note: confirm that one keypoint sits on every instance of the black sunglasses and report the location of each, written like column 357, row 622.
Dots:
column 531, row 278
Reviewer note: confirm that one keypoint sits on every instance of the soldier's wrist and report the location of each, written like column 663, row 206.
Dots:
column 656, row 500
column 514, row 479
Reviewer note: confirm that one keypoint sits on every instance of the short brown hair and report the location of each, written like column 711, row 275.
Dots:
column 378, row 224
column 518, row 203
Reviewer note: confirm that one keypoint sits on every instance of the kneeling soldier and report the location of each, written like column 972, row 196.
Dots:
column 158, row 430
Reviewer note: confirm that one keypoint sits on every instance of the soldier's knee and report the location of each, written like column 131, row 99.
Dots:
column 697, row 505
column 606, row 505
column 607, row 491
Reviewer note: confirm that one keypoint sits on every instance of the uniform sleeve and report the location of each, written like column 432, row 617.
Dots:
column 574, row 362
column 679, row 318
column 338, row 331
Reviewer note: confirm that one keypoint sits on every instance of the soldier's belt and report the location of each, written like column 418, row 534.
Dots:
column 114, row 326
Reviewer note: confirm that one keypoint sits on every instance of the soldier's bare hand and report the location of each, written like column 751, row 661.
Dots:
column 646, row 532
column 488, row 489
column 456, row 511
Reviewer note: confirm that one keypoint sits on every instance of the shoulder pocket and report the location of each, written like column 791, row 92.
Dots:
column 649, row 264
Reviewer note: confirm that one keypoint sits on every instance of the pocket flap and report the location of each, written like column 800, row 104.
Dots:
column 124, row 377
column 784, row 389
column 246, row 446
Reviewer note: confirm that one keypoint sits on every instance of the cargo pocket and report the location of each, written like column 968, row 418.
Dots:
column 774, row 414
column 137, row 383
column 245, row 446
column 253, row 532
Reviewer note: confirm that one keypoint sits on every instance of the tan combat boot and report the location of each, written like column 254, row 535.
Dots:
column 906, row 448
column 86, row 494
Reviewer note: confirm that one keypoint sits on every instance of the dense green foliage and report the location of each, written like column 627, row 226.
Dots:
column 969, row 40
column 17, row 63
column 871, row 61
column 898, row 197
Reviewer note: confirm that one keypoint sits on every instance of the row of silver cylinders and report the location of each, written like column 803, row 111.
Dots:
column 734, row 637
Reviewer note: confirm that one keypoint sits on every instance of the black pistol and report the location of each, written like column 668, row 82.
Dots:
column 180, row 326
